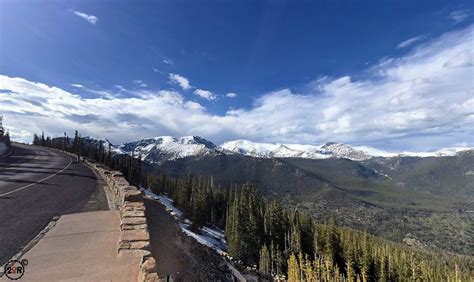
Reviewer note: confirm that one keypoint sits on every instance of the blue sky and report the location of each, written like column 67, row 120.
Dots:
column 167, row 68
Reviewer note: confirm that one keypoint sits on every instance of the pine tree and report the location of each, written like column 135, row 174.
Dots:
column 43, row 140
column 76, row 144
column 7, row 139
column 264, row 264
column 293, row 269
column 310, row 272
column 36, row 140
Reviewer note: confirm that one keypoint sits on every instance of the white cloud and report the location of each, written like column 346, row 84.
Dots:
column 231, row 95
column 182, row 81
column 167, row 61
column 140, row 83
column 205, row 94
column 421, row 101
column 77, row 85
column 35, row 107
column 120, row 88
column 410, row 41
column 459, row 16
column 90, row 18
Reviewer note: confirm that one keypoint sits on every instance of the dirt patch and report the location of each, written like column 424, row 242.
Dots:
column 177, row 255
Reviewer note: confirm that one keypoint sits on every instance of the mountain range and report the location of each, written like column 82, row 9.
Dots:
column 402, row 196
column 164, row 148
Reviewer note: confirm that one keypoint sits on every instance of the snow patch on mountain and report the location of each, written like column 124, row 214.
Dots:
column 445, row 152
column 276, row 150
column 205, row 235
column 272, row 150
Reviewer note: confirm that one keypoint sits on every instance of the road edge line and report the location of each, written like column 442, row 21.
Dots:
column 39, row 181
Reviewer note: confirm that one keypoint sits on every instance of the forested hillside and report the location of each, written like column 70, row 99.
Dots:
column 287, row 242
column 396, row 198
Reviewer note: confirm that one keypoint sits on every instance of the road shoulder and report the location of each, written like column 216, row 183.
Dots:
column 82, row 246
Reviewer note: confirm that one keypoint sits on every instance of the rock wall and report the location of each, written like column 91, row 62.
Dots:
column 134, row 235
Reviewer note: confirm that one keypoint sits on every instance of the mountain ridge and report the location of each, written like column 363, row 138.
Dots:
column 162, row 148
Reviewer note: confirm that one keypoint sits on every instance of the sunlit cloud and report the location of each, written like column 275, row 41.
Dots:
column 421, row 101
column 459, row 16
column 180, row 80
column 410, row 41
column 89, row 18
column 205, row 94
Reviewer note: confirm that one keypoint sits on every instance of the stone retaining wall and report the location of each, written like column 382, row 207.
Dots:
column 134, row 235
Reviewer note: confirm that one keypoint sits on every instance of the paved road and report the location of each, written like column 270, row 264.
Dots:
column 35, row 185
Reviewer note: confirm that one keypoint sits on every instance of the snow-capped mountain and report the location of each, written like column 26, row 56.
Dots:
column 275, row 150
column 163, row 148
column 328, row 150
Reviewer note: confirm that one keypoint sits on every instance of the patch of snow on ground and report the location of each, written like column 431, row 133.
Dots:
column 210, row 237
column 206, row 238
column 165, row 201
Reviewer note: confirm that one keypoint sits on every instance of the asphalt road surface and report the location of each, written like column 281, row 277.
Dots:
column 37, row 184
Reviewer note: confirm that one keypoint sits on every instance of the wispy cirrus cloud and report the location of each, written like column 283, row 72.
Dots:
column 180, row 80
column 231, row 95
column 120, row 88
column 421, row 101
column 77, row 85
column 167, row 61
column 140, row 83
column 89, row 18
column 411, row 41
column 459, row 16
